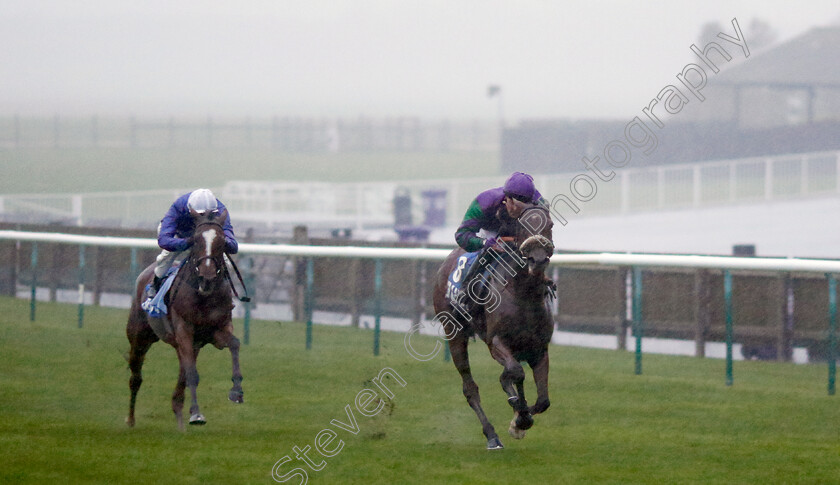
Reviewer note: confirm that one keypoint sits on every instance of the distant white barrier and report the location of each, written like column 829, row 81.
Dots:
column 705, row 262
column 268, row 249
column 361, row 205
column 54, row 237
column 602, row 259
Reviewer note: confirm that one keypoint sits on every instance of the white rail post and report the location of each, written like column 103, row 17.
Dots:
column 768, row 179
column 660, row 187
column 76, row 200
column 803, row 180
column 732, row 185
column 837, row 172
column 696, row 185
column 625, row 191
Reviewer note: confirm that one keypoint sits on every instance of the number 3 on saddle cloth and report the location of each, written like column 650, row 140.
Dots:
column 156, row 307
column 466, row 269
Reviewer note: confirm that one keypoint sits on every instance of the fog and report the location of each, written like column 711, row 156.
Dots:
column 432, row 59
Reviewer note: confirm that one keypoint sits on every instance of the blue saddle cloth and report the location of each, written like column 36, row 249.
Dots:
column 156, row 307
column 454, row 292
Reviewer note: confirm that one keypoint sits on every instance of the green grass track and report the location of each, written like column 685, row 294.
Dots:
column 64, row 397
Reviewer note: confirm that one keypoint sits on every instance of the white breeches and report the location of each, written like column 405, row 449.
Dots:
column 166, row 259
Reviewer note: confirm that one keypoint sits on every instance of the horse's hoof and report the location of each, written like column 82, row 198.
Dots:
column 197, row 419
column 516, row 433
column 494, row 444
column 236, row 396
column 129, row 421
column 524, row 421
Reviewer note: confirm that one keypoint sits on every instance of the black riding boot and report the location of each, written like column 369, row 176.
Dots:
column 154, row 288
column 467, row 302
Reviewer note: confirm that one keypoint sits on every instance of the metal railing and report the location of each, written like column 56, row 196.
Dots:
column 633, row 261
column 371, row 204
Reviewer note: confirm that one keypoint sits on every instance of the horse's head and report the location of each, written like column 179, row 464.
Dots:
column 536, row 251
column 207, row 255
column 532, row 233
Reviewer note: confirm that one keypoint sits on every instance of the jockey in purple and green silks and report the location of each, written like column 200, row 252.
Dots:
column 482, row 212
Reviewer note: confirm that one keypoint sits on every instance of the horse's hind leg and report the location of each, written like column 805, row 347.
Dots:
column 461, row 359
column 139, row 346
column 225, row 338
column 178, row 398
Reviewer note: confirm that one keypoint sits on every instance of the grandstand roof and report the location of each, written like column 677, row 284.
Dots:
column 810, row 59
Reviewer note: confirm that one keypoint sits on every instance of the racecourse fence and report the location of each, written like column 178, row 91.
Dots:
column 270, row 205
column 767, row 305
column 289, row 134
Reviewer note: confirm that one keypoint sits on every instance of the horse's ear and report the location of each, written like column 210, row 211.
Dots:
column 222, row 216
column 194, row 214
column 503, row 215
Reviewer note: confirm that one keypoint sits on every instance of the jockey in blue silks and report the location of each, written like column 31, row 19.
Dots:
column 176, row 230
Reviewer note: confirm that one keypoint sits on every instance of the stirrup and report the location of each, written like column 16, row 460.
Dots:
column 153, row 288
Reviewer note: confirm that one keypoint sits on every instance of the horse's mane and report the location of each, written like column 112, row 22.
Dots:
column 534, row 220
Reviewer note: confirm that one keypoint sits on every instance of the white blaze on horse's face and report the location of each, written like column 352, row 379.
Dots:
column 209, row 236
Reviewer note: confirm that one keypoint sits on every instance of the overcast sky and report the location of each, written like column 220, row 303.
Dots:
column 427, row 58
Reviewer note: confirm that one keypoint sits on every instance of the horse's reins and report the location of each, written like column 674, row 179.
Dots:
column 516, row 243
column 244, row 299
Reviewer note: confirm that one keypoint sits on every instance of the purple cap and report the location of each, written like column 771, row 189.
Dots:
column 520, row 184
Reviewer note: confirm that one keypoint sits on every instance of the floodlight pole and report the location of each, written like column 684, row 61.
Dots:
column 494, row 90
column 501, row 112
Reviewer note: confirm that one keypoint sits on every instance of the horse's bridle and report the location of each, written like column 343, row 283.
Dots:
column 515, row 239
column 220, row 264
column 218, row 261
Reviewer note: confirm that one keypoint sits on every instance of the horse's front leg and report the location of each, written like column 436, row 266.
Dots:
column 225, row 338
column 513, row 380
column 187, row 354
column 540, row 368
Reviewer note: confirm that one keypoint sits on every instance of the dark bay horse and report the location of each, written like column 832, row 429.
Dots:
column 199, row 312
column 513, row 319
